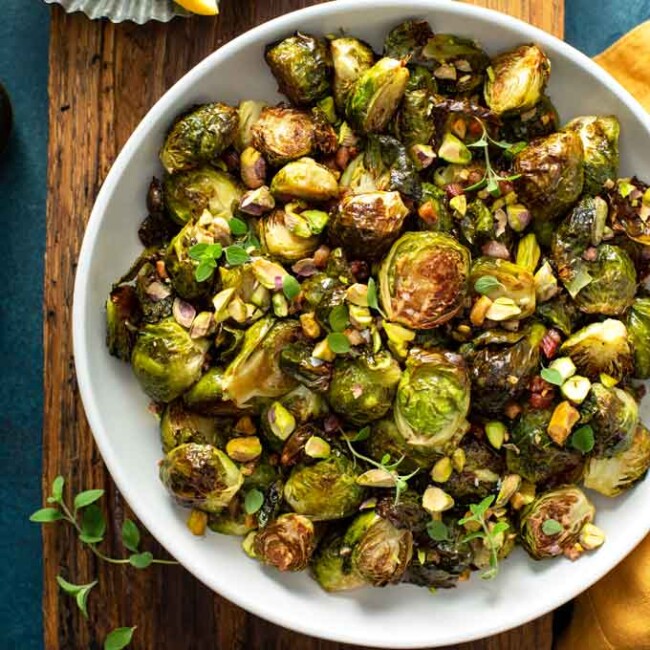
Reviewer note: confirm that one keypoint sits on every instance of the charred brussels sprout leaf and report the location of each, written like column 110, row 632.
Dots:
column 249, row 112
column 570, row 508
column 375, row 96
column 325, row 490
column 424, row 279
column 406, row 40
column 286, row 543
column 351, row 58
column 179, row 426
column 518, row 79
column 123, row 314
column 200, row 476
column 301, row 65
column 538, row 122
column 305, row 179
column 362, row 389
column 199, row 137
column 166, row 361
column 282, row 236
column 560, row 312
column 638, row 326
column 296, row 360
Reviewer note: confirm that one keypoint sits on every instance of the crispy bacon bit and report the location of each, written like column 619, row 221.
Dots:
column 590, row 255
column 342, row 157
column 550, row 343
column 359, row 270
column 454, row 189
column 541, row 393
column 321, row 256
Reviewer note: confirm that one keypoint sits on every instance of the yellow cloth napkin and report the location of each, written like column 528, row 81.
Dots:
column 615, row 613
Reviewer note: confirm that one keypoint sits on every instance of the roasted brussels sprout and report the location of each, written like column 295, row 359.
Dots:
column 255, row 371
column 282, row 235
column 638, row 327
column 123, row 314
column 305, row 179
column 601, row 348
column 599, row 135
column 188, row 194
column 535, row 457
column 613, row 415
column 301, row 65
column 414, row 123
column 375, row 95
column 386, row 439
column 538, row 122
column 207, row 395
column 155, row 297
column 331, row 566
column 284, row 134
column 406, row 40
column 423, row 279
column 166, row 360
column 199, row 137
column 559, row 312
column 362, row 389
column 351, row 58
column 629, row 209
column 286, row 543
column 615, row 474
column 501, row 364
column 296, row 360
column 249, row 112
column 325, row 490
column 179, row 426
column 200, row 476
column 432, row 401
column 517, row 80
column 570, row 508
column 368, row 224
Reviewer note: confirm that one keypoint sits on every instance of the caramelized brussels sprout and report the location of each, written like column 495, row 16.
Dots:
column 538, row 122
column 406, row 40
column 286, row 543
column 423, row 279
column 282, row 235
column 304, row 179
column 331, row 566
column 629, row 209
column 284, row 134
column 199, row 137
column 368, row 224
column 517, row 80
column 325, row 490
column 207, row 395
column 188, row 194
column 200, row 476
column 600, row 348
column 432, row 401
column 179, row 426
column 362, row 389
column 255, row 371
column 123, row 314
column 232, row 520
column 599, row 135
column 387, row 439
column 166, row 361
column 249, row 112
column 638, row 327
column 559, row 312
column 414, row 123
column 536, row 458
column 375, row 96
column 351, row 58
column 570, row 508
column 296, row 360
column 613, row 475
column 301, row 65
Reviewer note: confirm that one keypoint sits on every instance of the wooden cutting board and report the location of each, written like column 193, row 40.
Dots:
column 103, row 79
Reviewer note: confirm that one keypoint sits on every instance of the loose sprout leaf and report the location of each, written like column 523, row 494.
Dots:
column 552, row 376
column 141, row 560
column 362, row 434
column 372, row 295
column 57, row 489
column 204, row 270
column 93, row 524
column 583, row 439
column 46, row 515
column 338, row 343
column 338, row 318
column 486, row 284
column 130, row 535
column 253, row 501
column 236, row 255
column 84, row 499
column 438, row 531
column 119, row 638
column 290, row 287
column 198, row 251
column 552, row 527
column 237, row 227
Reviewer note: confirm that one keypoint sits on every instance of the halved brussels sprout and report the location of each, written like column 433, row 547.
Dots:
column 166, row 360
column 368, row 224
column 386, row 439
column 599, row 135
column 638, row 327
column 282, row 235
column 406, row 40
column 512, row 281
column 517, row 80
column 207, row 395
column 249, row 112
column 286, row 543
column 362, row 389
column 199, row 137
column 200, row 476
column 613, row 415
column 189, row 193
column 601, row 348
column 284, row 134
column 123, row 314
column 305, row 179
column 538, row 122
column 414, row 123
column 424, row 279
column 570, row 508
column 629, row 209
column 375, row 96
column 255, row 371
column 432, row 401
column 351, row 58
column 301, row 65
column 618, row 473
column 535, row 457
column 325, row 490
column 179, row 426
column 331, row 566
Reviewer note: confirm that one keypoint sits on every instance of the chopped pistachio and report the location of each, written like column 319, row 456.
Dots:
column 360, row 317
column 261, row 297
column 435, row 500
column 310, row 326
column 479, row 310
column 576, row 389
column 564, row 418
column 591, row 537
column 510, row 484
column 502, row 309
column 378, row 478
column 398, row 338
column 280, row 305
column 496, row 433
column 545, row 283
column 268, row 274
column 323, row 351
column 518, row 216
column 316, row 447
column 281, row 421
column 458, row 459
column 459, row 203
column 442, row 470
column 197, row 522
column 237, row 310
column 220, row 304
column 357, row 294
column 607, row 380
column 243, row 450
column 453, row 150
column 564, row 366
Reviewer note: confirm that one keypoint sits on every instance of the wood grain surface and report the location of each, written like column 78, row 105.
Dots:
column 103, row 78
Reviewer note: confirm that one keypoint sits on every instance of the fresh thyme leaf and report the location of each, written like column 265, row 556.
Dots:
column 338, row 318
column 372, row 295
column 57, row 490
column 78, row 592
column 237, row 226
column 552, row 376
column 119, row 638
column 486, row 284
column 385, row 459
column 204, row 270
column 362, row 434
column 84, row 499
column 130, row 535
column 338, row 342
column 290, row 287
column 552, row 527
column 197, row 252
column 253, row 501
column 583, row 439
column 437, row 531
column 141, row 560
column 46, row 515
column 93, row 524
column 236, row 255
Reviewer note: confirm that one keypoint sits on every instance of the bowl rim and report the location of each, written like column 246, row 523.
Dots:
column 288, row 22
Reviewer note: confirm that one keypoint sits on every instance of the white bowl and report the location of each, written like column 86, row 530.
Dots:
column 127, row 436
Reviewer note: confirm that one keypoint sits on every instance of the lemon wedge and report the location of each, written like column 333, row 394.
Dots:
column 201, row 7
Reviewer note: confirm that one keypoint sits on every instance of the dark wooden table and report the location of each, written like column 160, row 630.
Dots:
column 103, row 79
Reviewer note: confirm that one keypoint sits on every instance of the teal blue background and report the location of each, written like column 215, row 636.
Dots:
column 591, row 25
